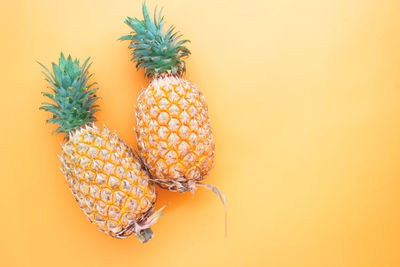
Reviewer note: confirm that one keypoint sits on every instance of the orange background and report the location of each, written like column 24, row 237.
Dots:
column 304, row 102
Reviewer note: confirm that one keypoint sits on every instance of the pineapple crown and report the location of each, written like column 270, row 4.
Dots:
column 157, row 53
column 72, row 95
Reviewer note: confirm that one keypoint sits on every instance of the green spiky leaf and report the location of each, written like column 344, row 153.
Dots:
column 73, row 98
column 153, row 50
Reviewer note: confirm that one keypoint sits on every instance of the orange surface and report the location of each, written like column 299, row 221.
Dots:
column 304, row 102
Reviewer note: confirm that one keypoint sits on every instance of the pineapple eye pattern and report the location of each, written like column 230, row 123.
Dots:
column 95, row 162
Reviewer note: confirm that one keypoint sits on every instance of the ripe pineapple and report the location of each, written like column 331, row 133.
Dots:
column 106, row 179
column 174, row 136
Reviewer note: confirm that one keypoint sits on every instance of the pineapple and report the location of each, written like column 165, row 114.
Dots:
column 173, row 131
column 105, row 177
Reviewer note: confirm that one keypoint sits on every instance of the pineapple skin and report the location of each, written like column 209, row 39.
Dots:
column 175, row 140
column 108, row 182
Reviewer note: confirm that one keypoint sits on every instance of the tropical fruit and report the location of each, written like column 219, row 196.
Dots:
column 105, row 177
column 175, row 140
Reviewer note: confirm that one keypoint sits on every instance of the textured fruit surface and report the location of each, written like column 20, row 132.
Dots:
column 107, row 181
column 174, row 136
